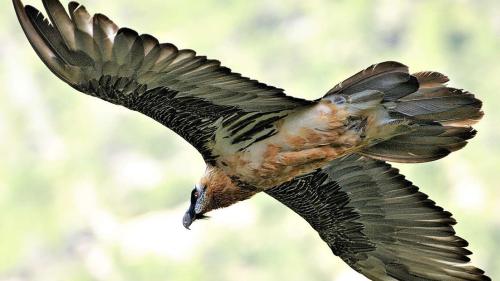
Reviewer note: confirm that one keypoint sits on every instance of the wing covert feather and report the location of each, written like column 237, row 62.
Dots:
column 378, row 222
column 95, row 56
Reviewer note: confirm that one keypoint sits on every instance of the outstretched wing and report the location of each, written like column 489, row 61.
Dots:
column 378, row 222
column 190, row 94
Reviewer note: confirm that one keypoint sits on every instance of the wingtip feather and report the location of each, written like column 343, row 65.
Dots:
column 26, row 15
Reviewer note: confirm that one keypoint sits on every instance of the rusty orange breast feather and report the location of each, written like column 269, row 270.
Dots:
column 306, row 140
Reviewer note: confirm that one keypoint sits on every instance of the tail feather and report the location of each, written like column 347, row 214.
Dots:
column 426, row 143
column 429, row 79
column 364, row 100
column 389, row 77
column 418, row 118
column 448, row 106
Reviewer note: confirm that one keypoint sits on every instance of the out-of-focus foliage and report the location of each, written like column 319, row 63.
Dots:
column 91, row 191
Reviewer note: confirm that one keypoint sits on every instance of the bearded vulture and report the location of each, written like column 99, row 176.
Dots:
column 325, row 159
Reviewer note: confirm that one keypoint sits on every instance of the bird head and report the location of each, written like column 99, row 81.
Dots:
column 215, row 190
column 197, row 207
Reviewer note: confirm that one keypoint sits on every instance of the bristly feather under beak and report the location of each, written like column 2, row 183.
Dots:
column 190, row 216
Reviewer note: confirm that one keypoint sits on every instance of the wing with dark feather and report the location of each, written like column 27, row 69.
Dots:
column 190, row 94
column 378, row 222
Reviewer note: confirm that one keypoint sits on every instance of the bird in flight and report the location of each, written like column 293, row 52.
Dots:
column 325, row 159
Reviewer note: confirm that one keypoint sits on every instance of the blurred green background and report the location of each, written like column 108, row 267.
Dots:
column 91, row 191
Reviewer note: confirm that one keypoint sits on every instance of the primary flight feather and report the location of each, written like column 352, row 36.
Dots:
column 324, row 159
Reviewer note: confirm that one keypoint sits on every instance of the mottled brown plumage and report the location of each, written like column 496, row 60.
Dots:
column 216, row 183
column 316, row 157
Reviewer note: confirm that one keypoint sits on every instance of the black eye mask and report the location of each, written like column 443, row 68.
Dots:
column 195, row 195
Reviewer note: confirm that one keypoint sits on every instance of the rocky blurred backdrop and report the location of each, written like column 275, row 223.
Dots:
column 91, row 191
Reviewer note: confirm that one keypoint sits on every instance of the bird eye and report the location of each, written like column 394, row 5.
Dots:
column 196, row 194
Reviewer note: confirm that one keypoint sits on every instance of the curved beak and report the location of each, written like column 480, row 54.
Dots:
column 188, row 219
